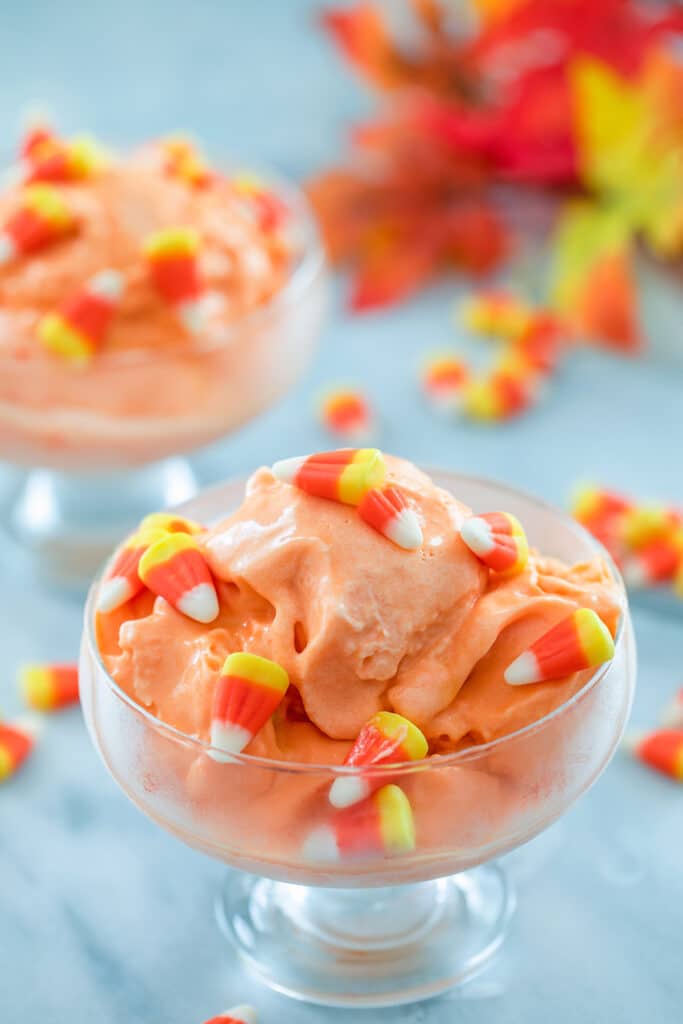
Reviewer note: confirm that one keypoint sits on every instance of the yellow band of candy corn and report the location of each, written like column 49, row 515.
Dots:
column 169, row 523
column 172, row 242
column 47, row 203
column 59, row 337
column 595, row 638
column 37, row 686
column 397, row 827
column 396, row 727
column 163, row 549
column 257, row 670
column 365, row 471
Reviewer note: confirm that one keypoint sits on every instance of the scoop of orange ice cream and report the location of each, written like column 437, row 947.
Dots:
column 358, row 623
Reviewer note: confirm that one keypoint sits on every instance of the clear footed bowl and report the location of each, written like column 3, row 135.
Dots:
column 104, row 448
column 376, row 929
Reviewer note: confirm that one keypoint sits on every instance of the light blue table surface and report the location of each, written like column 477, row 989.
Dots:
column 105, row 918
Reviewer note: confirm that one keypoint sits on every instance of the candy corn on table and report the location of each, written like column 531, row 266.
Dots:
column 103, row 916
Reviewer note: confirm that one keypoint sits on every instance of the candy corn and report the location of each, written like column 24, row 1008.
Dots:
column 661, row 750
column 643, row 524
column 383, row 824
column 386, row 739
column 268, row 208
column 172, row 260
column 540, row 343
column 386, row 510
column 672, row 718
column 592, row 504
column 57, row 161
column 17, row 740
column 78, row 330
column 122, row 582
column 170, row 523
column 174, row 568
column 238, row 1015
column 443, row 379
column 578, row 642
column 501, row 395
column 347, row 413
column 498, row 314
column 38, row 142
column 498, row 540
column 248, row 691
column 656, row 562
column 42, row 218
column 184, row 161
column 49, row 687
column 345, row 475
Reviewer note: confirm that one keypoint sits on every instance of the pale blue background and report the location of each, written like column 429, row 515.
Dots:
column 102, row 916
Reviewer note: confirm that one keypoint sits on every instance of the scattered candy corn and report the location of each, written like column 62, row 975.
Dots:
column 540, row 343
column 661, row 750
column 656, row 562
column 238, row 1015
column 17, row 740
column 672, row 718
column 383, row 824
column 386, row 510
column 78, row 330
column 498, row 540
column 347, row 413
column 591, row 504
column 443, row 379
column 57, row 162
column 497, row 313
column 345, row 475
column 248, row 691
column 643, row 524
column 49, row 687
column 172, row 258
column 42, row 218
column 386, row 739
column 500, row 395
column 170, row 523
column 174, row 568
column 578, row 642
column 122, row 582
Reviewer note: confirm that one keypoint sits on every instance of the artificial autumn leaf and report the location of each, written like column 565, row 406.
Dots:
column 627, row 152
column 593, row 282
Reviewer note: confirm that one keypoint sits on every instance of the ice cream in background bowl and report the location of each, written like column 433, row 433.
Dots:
column 150, row 303
column 361, row 684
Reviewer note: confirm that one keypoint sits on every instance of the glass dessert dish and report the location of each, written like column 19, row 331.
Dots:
column 375, row 929
column 103, row 440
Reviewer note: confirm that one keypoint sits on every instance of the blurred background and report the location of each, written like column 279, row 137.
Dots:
column 97, row 906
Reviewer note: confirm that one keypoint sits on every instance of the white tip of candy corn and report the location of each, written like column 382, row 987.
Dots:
column 31, row 725
column 113, row 593
column 287, row 469
column 227, row 739
column 405, row 530
column 192, row 315
column 320, row 846
column 108, row 284
column 476, row 533
column 245, row 1014
column 634, row 573
column 523, row 670
column 200, row 603
column 672, row 716
column 7, row 249
column 345, row 792
column 632, row 740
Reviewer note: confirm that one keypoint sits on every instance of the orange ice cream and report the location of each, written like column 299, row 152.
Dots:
column 361, row 625
column 152, row 386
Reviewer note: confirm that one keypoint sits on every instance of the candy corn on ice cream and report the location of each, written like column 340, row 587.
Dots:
column 360, row 615
column 141, row 301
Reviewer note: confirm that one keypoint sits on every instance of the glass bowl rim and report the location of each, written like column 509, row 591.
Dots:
column 391, row 771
